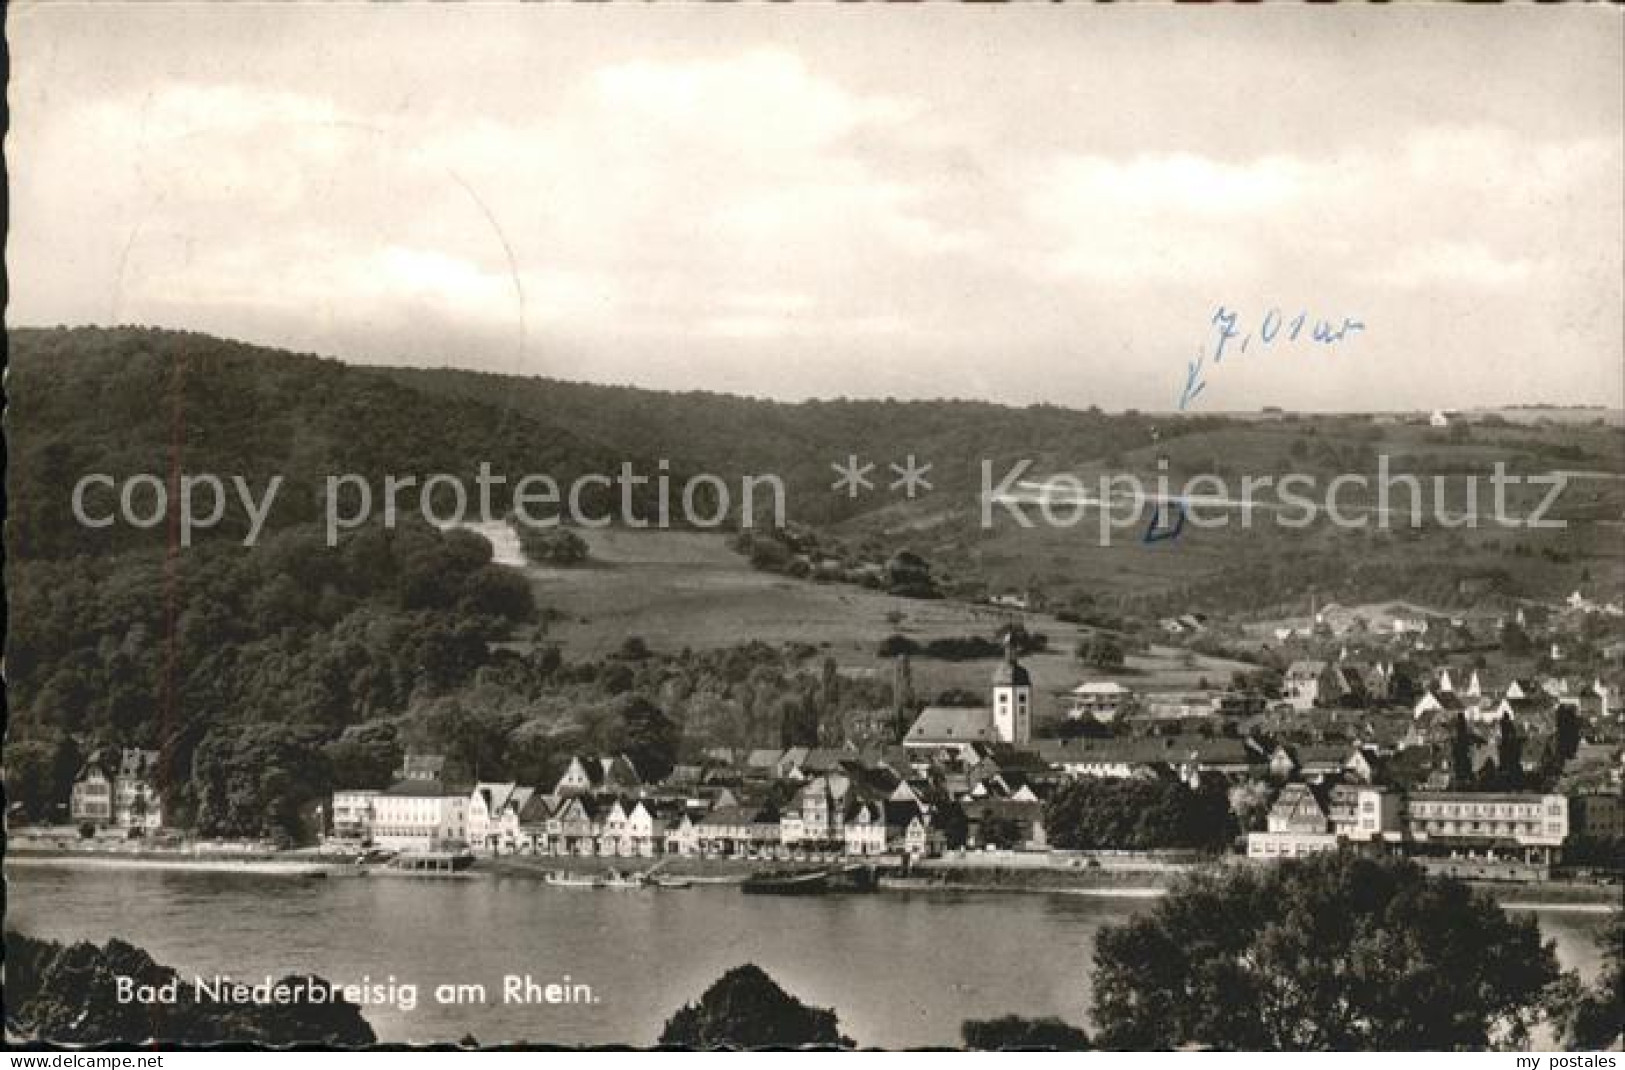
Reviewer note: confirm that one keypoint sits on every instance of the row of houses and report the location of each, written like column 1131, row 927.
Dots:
column 826, row 814
column 1309, row 685
column 1315, row 684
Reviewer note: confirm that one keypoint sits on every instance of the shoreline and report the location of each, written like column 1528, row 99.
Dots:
column 264, row 866
column 1550, row 896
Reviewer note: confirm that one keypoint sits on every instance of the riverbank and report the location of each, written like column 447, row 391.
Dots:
column 1128, row 884
column 1554, row 895
column 938, row 874
column 537, row 867
column 176, row 863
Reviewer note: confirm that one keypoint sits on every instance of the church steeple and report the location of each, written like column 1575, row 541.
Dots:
column 1012, row 697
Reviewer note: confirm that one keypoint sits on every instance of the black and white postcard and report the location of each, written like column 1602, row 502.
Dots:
column 679, row 526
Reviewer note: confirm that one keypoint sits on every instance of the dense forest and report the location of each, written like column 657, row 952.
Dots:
column 265, row 675
column 734, row 436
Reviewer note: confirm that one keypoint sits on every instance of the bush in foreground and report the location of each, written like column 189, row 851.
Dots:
column 1337, row 952
column 69, row 995
column 745, row 1008
column 1014, row 1033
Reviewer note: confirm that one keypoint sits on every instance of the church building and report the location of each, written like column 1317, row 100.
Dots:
column 1008, row 720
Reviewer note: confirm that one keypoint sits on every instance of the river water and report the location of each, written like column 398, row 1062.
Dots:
column 900, row 969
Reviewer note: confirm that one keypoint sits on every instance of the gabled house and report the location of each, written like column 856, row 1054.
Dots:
column 1529, row 709
column 91, row 800
column 118, row 790
column 573, row 826
column 1301, row 684
column 683, row 836
column 591, row 776
column 485, row 806
column 1298, row 825
column 534, row 823
column 1364, row 766
column 1311, row 761
column 1438, row 700
column 790, row 763
column 763, row 763
column 629, row 830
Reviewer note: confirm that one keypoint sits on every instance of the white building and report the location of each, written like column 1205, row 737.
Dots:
column 420, row 815
column 493, row 816
column 1298, row 826
column 122, row 794
column 1103, row 700
column 353, row 815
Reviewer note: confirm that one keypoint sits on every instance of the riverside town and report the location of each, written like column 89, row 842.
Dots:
column 815, row 528
column 1508, row 779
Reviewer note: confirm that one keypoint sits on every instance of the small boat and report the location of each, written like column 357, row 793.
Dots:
column 812, row 882
column 572, row 880
column 725, row 878
column 617, row 879
column 857, row 878
column 672, row 882
column 431, row 863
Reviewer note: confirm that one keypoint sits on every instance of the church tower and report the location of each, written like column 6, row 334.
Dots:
column 1012, row 698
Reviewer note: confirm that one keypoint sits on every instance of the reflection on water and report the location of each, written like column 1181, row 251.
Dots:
column 900, row 969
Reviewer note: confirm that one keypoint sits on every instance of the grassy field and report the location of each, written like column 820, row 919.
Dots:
column 1377, row 558
column 684, row 589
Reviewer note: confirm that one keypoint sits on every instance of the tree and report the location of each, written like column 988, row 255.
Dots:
column 1014, row 1033
column 364, row 756
column 745, row 1008
column 1594, row 1017
column 558, row 547
column 902, row 696
column 798, row 721
column 1509, row 754
column 256, row 781
column 1461, row 753
column 950, row 820
column 69, row 995
column 29, row 784
column 1094, row 813
column 1001, row 832
column 909, row 575
column 652, row 738
column 1515, row 641
column 1337, row 952
column 1250, row 803
column 1101, row 651
column 1567, row 734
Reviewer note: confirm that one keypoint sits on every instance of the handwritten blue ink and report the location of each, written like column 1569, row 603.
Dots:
column 1226, row 322
column 1156, row 532
column 1194, row 383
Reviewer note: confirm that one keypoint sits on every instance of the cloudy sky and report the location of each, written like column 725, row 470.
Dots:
column 1022, row 204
